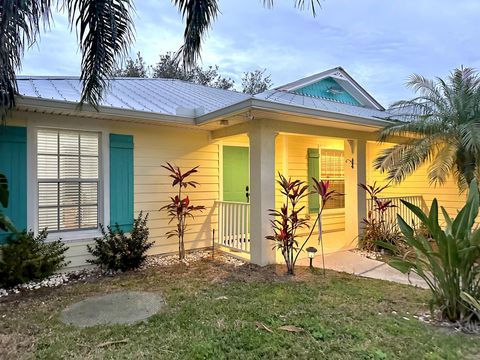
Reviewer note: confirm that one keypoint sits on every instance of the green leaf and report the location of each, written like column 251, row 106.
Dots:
column 448, row 220
column 388, row 246
column 475, row 238
column 433, row 225
column 403, row 266
column 405, row 228
column 417, row 211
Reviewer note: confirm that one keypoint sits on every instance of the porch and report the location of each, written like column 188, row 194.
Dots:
column 248, row 189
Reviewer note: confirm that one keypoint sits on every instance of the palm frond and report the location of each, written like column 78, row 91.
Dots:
column 470, row 136
column 402, row 160
column 105, row 31
column 389, row 157
column 198, row 16
column 419, row 127
column 442, row 164
column 300, row 4
column 442, row 124
column 20, row 24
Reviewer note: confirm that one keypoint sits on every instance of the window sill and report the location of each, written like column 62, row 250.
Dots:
column 74, row 236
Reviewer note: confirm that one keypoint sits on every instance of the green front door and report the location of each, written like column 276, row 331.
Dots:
column 236, row 173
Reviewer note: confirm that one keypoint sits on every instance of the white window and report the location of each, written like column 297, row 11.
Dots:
column 68, row 180
column 332, row 168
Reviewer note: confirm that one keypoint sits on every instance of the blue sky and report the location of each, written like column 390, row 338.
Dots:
column 379, row 42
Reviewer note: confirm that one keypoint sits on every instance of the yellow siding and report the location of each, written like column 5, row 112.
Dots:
column 291, row 161
column 154, row 146
column 417, row 184
column 296, row 152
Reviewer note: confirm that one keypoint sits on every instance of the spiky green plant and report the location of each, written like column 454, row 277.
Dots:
column 105, row 31
column 440, row 126
column 449, row 261
column 26, row 257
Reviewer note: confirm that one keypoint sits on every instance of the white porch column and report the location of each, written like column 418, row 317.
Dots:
column 355, row 199
column 262, row 190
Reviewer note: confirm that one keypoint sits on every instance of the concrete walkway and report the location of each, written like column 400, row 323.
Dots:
column 356, row 264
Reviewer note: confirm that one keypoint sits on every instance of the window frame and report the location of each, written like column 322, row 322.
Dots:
column 103, row 211
column 321, row 150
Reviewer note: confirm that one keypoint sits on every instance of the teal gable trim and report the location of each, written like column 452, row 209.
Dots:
column 121, row 181
column 13, row 164
column 329, row 89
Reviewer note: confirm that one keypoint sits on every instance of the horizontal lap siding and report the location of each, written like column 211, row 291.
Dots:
column 447, row 195
column 153, row 147
column 295, row 149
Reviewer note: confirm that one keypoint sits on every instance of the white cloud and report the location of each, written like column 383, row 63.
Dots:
column 379, row 42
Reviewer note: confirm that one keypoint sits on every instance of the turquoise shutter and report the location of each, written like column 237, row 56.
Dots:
column 313, row 172
column 13, row 164
column 121, row 181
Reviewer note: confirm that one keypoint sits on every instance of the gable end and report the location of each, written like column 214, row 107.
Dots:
column 328, row 88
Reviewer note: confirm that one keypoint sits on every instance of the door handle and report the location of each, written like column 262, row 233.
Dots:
column 247, row 193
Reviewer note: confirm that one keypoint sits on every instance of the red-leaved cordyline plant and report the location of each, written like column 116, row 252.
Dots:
column 376, row 228
column 374, row 190
column 179, row 208
column 287, row 221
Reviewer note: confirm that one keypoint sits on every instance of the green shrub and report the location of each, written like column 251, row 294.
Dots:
column 119, row 251
column 448, row 261
column 26, row 257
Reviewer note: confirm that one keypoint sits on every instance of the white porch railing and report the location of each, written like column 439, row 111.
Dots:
column 234, row 225
column 399, row 208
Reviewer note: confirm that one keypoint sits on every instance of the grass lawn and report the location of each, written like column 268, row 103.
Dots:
column 214, row 311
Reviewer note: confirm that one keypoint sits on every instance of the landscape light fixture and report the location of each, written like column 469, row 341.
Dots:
column 311, row 254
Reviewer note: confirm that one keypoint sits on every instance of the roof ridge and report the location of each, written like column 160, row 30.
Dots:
column 119, row 78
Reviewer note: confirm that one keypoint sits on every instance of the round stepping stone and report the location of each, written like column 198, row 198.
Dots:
column 117, row 308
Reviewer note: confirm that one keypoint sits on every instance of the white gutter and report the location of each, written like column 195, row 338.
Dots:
column 260, row 104
column 52, row 106
column 47, row 105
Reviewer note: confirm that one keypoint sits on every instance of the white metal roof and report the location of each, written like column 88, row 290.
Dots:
column 290, row 98
column 161, row 96
column 180, row 100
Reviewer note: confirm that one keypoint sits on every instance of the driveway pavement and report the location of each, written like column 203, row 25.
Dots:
column 356, row 264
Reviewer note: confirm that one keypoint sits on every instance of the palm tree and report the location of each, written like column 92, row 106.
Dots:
column 105, row 31
column 440, row 126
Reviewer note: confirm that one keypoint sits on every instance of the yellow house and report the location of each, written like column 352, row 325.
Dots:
column 71, row 169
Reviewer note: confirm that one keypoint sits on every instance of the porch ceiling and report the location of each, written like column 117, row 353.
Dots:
column 299, row 126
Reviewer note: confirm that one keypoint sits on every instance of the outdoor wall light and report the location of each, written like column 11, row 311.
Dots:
column 351, row 162
column 311, row 254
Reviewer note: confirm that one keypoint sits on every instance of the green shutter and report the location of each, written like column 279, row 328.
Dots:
column 121, row 181
column 13, row 164
column 313, row 172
